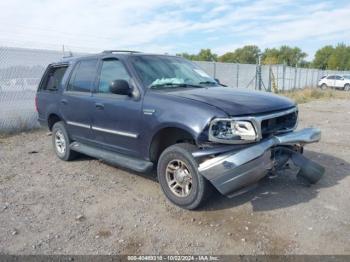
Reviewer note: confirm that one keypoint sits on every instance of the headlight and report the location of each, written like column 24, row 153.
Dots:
column 232, row 131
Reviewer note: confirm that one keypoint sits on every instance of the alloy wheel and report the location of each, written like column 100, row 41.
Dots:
column 179, row 178
column 60, row 142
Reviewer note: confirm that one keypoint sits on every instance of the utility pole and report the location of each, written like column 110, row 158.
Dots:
column 270, row 79
column 295, row 76
column 259, row 72
column 284, row 75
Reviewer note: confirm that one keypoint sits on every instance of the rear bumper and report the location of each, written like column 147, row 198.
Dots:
column 234, row 170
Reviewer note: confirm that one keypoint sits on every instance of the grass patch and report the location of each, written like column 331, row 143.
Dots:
column 310, row 94
column 9, row 133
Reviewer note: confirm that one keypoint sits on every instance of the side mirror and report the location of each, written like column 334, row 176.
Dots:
column 120, row 87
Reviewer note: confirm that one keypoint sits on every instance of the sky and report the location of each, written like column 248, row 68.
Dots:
column 173, row 26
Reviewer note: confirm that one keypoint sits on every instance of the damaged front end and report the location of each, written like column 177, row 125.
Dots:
column 232, row 168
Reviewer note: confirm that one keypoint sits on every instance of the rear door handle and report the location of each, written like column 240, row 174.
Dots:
column 64, row 101
column 99, row 106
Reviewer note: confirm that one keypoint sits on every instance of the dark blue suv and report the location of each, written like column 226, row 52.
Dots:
column 145, row 111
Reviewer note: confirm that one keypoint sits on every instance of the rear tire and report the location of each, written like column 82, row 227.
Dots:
column 323, row 86
column 179, row 178
column 61, row 142
column 347, row 87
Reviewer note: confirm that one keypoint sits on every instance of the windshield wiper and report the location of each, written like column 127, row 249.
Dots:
column 208, row 83
column 165, row 85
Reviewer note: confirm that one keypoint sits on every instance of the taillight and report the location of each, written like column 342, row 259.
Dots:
column 36, row 103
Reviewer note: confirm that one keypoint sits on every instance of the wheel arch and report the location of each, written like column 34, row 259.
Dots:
column 52, row 119
column 169, row 135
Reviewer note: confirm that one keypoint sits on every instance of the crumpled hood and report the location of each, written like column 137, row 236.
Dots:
column 235, row 101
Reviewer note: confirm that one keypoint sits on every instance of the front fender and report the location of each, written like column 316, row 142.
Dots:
column 162, row 111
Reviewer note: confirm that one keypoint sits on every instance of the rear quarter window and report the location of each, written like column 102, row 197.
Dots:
column 53, row 79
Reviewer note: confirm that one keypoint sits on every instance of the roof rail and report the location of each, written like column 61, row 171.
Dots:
column 119, row 51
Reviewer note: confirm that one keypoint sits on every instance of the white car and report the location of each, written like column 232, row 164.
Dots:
column 335, row 81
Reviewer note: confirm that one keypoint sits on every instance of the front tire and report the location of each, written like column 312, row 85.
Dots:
column 179, row 178
column 347, row 87
column 323, row 86
column 61, row 142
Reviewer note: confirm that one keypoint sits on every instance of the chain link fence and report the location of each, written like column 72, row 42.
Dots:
column 20, row 73
column 270, row 78
column 21, row 70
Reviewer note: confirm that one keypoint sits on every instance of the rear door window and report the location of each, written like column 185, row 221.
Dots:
column 83, row 76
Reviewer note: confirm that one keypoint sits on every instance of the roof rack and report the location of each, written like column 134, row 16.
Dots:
column 119, row 51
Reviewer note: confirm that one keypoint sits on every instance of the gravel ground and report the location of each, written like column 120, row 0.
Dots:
column 48, row 206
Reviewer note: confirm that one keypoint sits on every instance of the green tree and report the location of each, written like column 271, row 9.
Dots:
column 229, row 57
column 206, row 55
column 271, row 56
column 322, row 56
column 187, row 56
column 305, row 64
column 291, row 56
column 203, row 55
column 340, row 58
column 335, row 58
column 248, row 54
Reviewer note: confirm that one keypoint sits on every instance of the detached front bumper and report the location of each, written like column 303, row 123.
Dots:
column 235, row 170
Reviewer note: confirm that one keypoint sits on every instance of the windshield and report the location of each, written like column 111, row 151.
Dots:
column 170, row 72
column 346, row 76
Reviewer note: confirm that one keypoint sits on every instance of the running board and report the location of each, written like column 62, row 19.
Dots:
column 136, row 164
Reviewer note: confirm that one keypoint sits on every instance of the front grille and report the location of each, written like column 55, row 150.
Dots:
column 278, row 124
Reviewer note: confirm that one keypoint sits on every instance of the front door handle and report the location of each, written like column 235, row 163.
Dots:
column 99, row 106
column 64, row 101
